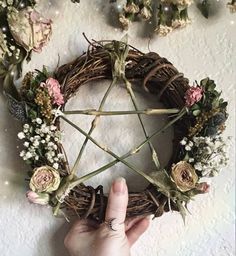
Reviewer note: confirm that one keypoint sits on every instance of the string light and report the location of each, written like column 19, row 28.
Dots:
column 4, row 29
column 6, row 182
column 119, row 7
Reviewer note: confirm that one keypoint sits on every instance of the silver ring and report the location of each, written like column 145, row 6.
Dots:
column 109, row 223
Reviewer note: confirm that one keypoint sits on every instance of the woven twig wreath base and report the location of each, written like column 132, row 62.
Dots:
column 158, row 76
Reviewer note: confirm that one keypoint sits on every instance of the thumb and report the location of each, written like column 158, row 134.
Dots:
column 117, row 205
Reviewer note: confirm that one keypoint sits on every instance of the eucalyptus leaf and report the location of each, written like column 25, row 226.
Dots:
column 195, row 106
column 3, row 70
column 204, row 81
column 204, row 8
column 162, row 180
column 193, row 192
column 215, row 103
column 224, row 104
column 45, row 71
column 32, row 114
column 181, row 209
column 9, row 86
column 211, row 86
column 186, row 157
column 196, row 112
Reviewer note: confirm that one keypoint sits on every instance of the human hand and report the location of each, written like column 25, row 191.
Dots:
column 87, row 238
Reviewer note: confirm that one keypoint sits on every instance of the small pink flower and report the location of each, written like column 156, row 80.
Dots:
column 193, row 95
column 37, row 198
column 54, row 91
column 203, row 187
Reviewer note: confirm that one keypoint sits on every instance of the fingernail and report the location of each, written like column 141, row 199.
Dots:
column 119, row 186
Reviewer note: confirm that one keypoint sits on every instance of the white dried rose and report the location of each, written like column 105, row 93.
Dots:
column 29, row 28
column 45, row 179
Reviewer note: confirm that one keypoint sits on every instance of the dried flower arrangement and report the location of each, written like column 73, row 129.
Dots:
column 22, row 31
column 169, row 15
column 197, row 113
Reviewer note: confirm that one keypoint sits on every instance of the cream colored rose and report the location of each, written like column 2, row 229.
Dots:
column 45, row 179
column 184, row 176
column 29, row 28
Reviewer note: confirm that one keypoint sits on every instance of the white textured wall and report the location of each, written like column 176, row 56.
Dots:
column 206, row 48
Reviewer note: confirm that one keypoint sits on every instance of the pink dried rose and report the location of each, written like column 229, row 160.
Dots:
column 193, row 95
column 54, row 90
column 203, row 187
column 29, row 28
column 37, row 198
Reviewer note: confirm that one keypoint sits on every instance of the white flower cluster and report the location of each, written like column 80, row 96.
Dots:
column 207, row 154
column 182, row 2
column 232, row 6
column 125, row 22
column 180, row 23
column 163, row 30
column 40, row 141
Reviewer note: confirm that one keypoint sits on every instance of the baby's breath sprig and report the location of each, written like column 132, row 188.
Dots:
column 40, row 142
column 208, row 155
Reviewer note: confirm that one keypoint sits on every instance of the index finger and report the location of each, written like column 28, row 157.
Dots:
column 117, row 202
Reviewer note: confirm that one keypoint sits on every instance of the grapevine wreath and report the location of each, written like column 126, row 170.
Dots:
column 197, row 113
